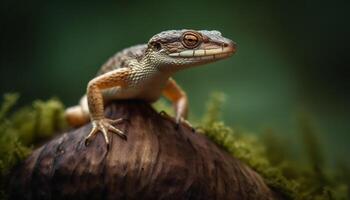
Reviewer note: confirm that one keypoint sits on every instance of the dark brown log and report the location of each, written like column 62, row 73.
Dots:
column 156, row 162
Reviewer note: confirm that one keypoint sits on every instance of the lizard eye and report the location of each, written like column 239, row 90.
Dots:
column 190, row 40
column 157, row 46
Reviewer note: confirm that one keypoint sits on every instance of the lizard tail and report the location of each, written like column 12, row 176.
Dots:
column 76, row 117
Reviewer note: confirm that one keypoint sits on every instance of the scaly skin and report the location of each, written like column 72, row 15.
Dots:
column 144, row 72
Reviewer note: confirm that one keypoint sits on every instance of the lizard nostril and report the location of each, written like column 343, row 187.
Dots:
column 225, row 45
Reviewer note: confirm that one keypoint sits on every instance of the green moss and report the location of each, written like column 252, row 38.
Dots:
column 23, row 129
column 267, row 153
column 272, row 159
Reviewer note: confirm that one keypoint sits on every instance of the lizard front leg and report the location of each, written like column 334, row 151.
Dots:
column 178, row 97
column 115, row 78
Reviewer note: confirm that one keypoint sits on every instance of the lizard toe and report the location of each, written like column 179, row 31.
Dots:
column 104, row 126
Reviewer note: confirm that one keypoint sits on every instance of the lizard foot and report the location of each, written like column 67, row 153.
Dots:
column 104, row 125
column 178, row 121
column 184, row 122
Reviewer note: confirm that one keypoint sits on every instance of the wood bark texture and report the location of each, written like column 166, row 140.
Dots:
column 157, row 161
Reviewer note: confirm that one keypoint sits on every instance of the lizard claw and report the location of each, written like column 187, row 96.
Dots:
column 117, row 121
column 178, row 121
column 163, row 113
column 177, row 126
column 105, row 125
column 185, row 122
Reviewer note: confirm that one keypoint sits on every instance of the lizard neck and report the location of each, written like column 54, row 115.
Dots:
column 164, row 66
column 151, row 64
column 151, row 77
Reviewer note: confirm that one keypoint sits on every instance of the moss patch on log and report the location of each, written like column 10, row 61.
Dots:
column 23, row 129
column 270, row 157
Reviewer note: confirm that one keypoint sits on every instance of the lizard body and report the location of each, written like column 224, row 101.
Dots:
column 144, row 72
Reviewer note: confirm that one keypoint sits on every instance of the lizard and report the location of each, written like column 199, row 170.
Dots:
column 145, row 72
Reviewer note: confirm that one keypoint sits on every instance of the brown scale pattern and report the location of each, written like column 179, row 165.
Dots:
column 121, row 59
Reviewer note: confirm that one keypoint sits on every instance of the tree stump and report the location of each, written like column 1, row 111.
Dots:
column 157, row 161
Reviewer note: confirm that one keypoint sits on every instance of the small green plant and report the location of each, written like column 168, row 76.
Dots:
column 21, row 130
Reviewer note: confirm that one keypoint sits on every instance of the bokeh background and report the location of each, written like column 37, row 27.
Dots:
column 293, row 56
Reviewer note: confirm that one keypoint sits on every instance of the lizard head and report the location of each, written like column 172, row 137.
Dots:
column 178, row 49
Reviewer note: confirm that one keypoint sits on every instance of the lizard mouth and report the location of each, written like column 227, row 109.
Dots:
column 200, row 54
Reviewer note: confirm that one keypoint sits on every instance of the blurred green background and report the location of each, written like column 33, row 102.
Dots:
column 293, row 56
